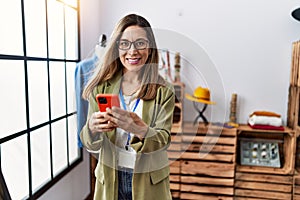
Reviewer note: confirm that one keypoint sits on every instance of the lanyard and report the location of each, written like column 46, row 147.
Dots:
column 124, row 106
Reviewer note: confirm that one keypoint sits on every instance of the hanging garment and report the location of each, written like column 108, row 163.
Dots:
column 84, row 70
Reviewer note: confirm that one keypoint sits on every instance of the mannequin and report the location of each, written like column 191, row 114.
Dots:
column 100, row 45
column 84, row 70
column 102, row 40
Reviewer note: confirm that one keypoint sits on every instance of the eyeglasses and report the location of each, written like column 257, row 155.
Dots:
column 139, row 44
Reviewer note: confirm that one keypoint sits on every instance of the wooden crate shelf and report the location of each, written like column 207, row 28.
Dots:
column 207, row 165
column 212, row 169
column 178, row 110
column 261, row 182
column 293, row 118
column 207, row 162
column 174, row 150
column 263, row 186
column 296, row 187
column 177, row 115
column 297, row 154
column 174, row 154
column 288, row 138
column 197, row 196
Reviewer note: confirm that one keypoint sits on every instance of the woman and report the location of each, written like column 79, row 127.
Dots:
column 131, row 140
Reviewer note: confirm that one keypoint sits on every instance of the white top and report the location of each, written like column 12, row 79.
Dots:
column 126, row 158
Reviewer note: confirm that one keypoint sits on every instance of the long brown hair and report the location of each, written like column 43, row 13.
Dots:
column 111, row 64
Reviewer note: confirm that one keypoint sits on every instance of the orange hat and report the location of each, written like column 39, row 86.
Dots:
column 201, row 95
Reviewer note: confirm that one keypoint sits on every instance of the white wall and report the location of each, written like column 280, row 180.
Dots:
column 90, row 26
column 248, row 43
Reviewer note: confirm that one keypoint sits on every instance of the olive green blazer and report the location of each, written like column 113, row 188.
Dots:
column 151, row 173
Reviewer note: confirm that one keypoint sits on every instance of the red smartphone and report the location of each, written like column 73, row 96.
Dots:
column 107, row 101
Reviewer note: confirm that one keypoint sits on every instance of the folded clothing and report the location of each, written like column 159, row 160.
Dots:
column 267, row 127
column 265, row 120
column 265, row 113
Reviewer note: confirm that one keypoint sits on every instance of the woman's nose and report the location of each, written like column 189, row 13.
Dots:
column 132, row 49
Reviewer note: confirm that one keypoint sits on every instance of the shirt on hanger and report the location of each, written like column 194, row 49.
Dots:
column 84, row 70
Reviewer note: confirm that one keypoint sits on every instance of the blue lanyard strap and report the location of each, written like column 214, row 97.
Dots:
column 134, row 108
column 123, row 102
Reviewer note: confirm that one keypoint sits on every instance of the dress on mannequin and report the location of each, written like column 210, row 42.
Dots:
column 84, row 70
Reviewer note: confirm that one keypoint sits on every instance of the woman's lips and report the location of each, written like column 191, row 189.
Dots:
column 133, row 61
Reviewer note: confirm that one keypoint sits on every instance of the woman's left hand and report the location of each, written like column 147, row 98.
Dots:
column 128, row 121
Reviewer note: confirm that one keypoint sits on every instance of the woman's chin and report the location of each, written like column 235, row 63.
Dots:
column 133, row 68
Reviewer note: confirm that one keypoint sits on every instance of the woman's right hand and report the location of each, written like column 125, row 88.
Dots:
column 98, row 123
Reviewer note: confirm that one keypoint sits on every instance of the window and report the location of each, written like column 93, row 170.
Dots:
column 38, row 55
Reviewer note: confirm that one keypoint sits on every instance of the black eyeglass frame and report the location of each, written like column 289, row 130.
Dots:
column 134, row 44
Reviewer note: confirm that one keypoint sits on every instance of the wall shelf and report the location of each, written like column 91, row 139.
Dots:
column 287, row 149
column 207, row 162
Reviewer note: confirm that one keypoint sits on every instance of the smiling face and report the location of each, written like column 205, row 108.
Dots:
column 135, row 57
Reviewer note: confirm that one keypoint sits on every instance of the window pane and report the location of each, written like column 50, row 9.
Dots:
column 59, row 146
column 56, row 29
column 57, row 89
column 38, row 92
column 71, row 87
column 35, row 25
column 71, row 34
column 11, row 27
column 13, row 106
column 14, row 163
column 72, row 134
column 40, row 157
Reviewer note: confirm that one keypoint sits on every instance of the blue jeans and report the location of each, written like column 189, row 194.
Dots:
column 125, row 184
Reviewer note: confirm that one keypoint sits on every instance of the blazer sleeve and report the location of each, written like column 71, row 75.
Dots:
column 91, row 142
column 158, row 136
